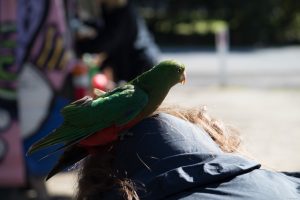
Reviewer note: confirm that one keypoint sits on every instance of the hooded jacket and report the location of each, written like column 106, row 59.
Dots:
column 169, row 158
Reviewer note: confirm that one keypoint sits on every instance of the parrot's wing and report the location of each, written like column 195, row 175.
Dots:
column 84, row 117
column 116, row 107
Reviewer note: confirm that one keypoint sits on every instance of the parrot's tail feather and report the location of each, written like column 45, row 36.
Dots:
column 57, row 136
column 65, row 134
column 71, row 156
column 65, row 146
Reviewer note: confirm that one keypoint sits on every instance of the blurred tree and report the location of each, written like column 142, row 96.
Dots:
column 268, row 22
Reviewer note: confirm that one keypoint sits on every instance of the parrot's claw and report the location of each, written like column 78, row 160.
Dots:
column 124, row 134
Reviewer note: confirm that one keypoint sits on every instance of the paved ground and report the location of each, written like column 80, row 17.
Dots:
column 262, row 99
column 260, row 68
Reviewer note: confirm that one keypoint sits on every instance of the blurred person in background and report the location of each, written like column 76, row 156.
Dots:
column 124, row 46
column 180, row 153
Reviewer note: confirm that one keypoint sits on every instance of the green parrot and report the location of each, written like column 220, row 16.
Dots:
column 90, row 123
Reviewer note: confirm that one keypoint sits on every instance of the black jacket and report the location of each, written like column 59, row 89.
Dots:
column 125, row 38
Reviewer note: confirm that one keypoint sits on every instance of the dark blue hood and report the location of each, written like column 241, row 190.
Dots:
column 167, row 156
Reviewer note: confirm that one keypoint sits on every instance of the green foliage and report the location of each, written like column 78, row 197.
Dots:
column 252, row 22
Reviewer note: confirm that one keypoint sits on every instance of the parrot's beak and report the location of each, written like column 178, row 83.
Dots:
column 183, row 77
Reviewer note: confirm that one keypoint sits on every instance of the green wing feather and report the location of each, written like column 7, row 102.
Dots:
column 87, row 116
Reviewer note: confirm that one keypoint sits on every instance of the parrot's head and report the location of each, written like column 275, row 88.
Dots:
column 162, row 76
column 171, row 72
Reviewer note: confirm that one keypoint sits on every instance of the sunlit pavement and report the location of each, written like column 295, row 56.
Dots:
column 261, row 99
column 260, row 68
column 62, row 184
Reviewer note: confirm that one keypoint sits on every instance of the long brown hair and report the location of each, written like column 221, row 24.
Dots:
column 97, row 176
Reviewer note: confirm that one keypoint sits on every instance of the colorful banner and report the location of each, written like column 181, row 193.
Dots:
column 12, row 170
column 45, row 58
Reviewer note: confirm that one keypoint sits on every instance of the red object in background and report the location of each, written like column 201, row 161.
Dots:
column 79, row 93
column 100, row 82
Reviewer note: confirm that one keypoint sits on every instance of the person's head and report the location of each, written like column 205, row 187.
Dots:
column 155, row 140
